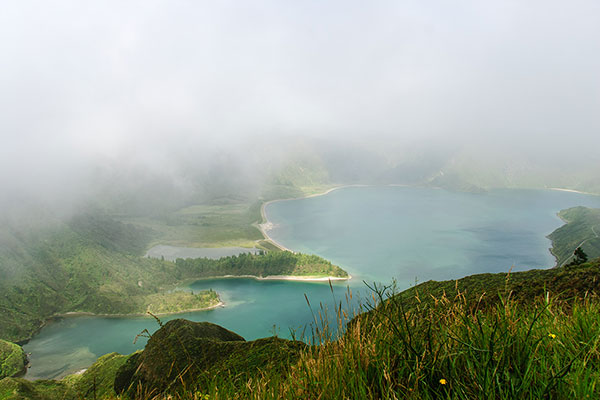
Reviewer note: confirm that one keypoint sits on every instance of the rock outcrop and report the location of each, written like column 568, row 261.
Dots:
column 185, row 354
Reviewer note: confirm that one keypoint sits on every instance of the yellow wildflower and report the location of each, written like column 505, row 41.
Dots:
column 443, row 381
column 552, row 336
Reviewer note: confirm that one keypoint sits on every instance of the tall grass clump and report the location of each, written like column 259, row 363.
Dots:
column 446, row 347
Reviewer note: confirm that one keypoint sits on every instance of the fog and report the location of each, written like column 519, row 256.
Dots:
column 181, row 95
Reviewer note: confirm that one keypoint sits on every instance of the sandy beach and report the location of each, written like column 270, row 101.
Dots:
column 572, row 191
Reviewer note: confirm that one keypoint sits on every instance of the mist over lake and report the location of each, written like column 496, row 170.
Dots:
column 378, row 234
column 411, row 233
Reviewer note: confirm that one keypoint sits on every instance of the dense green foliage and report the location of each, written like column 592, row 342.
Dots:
column 262, row 265
column 178, row 300
column 89, row 264
column 13, row 360
column 55, row 269
column 538, row 338
column 448, row 350
column 110, row 233
column 582, row 229
column 229, row 223
column 532, row 334
column 96, row 382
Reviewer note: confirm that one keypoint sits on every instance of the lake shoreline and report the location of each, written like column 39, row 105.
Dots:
column 573, row 191
column 70, row 314
column 299, row 278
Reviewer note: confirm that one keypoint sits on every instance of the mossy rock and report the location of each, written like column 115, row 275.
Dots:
column 189, row 354
column 13, row 361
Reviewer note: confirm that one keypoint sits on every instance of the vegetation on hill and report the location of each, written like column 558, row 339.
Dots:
column 110, row 233
column 13, row 361
column 68, row 272
column 448, row 349
column 486, row 290
column 91, row 263
column 182, row 357
column 225, row 222
column 454, row 182
column 95, row 382
column 532, row 334
column 262, row 265
column 189, row 356
column 179, row 300
column 441, row 340
column 581, row 229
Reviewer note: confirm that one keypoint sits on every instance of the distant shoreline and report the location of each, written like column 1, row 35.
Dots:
column 572, row 191
column 91, row 314
column 69, row 314
column 306, row 278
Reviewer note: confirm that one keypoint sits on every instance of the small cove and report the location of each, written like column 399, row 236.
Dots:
column 375, row 233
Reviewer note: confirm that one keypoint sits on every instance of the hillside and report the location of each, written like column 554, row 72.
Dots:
column 13, row 360
column 263, row 265
column 489, row 290
column 89, row 266
column 531, row 334
column 582, row 228
column 91, row 263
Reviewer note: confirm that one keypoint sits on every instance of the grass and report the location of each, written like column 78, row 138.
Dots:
column 533, row 341
column 220, row 225
column 448, row 350
column 421, row 345
column 445, row 348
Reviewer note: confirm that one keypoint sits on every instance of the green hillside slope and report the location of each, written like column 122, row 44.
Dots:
column 582, row 228
column 13, row 360
column 89, row 267
column 91, row 263
column 533, row 334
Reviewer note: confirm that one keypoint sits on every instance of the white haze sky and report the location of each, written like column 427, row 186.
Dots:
column 139, row 81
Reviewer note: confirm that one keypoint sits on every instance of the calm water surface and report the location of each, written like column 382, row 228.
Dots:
column 375, row 233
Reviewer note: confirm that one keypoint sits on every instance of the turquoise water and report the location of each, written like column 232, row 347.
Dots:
column 375, row 233
column 411, row 234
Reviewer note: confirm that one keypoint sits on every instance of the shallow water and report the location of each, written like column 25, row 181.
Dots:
column 375, row 233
